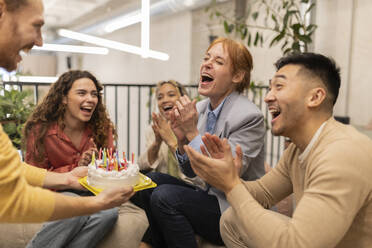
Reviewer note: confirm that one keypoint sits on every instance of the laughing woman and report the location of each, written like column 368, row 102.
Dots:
column 161, row 143
column 177, row 211
column 61, row 134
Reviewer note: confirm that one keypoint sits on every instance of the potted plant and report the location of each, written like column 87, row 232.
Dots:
column 284, row 22
column 15, row 107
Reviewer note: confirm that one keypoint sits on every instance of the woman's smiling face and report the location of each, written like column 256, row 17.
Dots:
column 216, row 76
column 81, row 100
column 167, row 95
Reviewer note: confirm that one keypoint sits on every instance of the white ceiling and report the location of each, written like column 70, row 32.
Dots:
column 64, row 12
column 73, row 14
column 80, row 15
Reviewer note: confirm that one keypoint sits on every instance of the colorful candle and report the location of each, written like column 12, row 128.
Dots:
column 104, row 159
column 125, row 159
column 117, row 161
column 94, row 159
column 132, row 157
column 100, row 153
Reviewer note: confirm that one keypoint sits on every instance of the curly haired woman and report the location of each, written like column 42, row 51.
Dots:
column 61, row 134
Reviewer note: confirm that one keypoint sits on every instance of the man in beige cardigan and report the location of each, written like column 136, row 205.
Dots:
column 328, row 167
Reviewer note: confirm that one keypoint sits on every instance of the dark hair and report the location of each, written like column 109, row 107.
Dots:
column 13, row 5
column 51, row 110
column 319, row 66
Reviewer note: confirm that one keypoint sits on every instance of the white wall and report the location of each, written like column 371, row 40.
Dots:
column 38, row 64
column 360, row 103
column 344, row 34
column 169, row 34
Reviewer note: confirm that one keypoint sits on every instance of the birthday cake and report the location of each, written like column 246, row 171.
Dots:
column 108, row 171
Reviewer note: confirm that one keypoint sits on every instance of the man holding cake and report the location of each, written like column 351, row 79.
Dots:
column 21, row 201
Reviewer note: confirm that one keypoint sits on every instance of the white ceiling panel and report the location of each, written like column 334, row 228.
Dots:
column 59, row 13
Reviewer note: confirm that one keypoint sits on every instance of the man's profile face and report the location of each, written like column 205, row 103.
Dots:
column 286, row 101
column 20, row 30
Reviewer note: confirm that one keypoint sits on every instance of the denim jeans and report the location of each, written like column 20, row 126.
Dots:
column 177, row 211
column 76, row 232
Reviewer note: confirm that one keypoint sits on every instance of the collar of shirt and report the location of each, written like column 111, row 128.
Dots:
column 307, row 150
column 217, row 110
column 55, row 129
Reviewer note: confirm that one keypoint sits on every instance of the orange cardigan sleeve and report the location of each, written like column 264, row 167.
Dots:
column 19, row 201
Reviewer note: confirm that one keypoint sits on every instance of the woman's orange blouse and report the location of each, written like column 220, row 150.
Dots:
column 61, row 155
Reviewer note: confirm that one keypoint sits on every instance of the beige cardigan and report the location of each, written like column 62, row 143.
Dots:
column 332, row 190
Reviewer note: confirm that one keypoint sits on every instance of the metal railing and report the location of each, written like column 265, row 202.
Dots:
column 130, row 107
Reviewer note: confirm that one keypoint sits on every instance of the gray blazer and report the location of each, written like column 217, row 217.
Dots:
column 241, row 122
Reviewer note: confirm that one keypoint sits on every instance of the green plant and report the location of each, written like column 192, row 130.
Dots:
column 286, row 19
column 14, row 111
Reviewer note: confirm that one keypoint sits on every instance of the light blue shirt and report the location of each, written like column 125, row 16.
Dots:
column 197, row 141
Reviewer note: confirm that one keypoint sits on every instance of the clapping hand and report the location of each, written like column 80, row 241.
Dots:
column 220, row 170
column 87, row 155
column 185, row 117
column 163, row 130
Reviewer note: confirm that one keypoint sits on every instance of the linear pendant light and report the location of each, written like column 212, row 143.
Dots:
column 111, row 44
column 144, row 50
column 72, row 49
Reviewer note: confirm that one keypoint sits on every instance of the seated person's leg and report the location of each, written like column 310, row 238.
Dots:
column 231, row 231
column 142, row 198
column 96, row 227
column 58, row 233
column 179, row 212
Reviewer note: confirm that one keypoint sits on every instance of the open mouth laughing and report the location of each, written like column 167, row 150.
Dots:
column 167, row 108
column 23, row 52
column 206, row 79
column 275, row 113
column 87, row 109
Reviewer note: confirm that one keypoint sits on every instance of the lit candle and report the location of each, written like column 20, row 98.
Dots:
column 125, row 159
column 117, row 160
column 94, row 159
column 104, row 159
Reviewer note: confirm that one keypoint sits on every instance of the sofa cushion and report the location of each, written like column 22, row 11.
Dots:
column 127, row 233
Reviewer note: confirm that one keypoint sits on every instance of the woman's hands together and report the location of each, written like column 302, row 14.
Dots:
column 163, row 131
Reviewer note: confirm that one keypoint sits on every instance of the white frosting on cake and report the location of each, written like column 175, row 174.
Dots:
column 101, row 178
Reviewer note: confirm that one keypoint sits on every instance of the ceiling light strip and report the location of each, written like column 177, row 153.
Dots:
column 34, row 79
column 72, row 49
column 110, row 44
column 145, row 28
column 123, row 21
